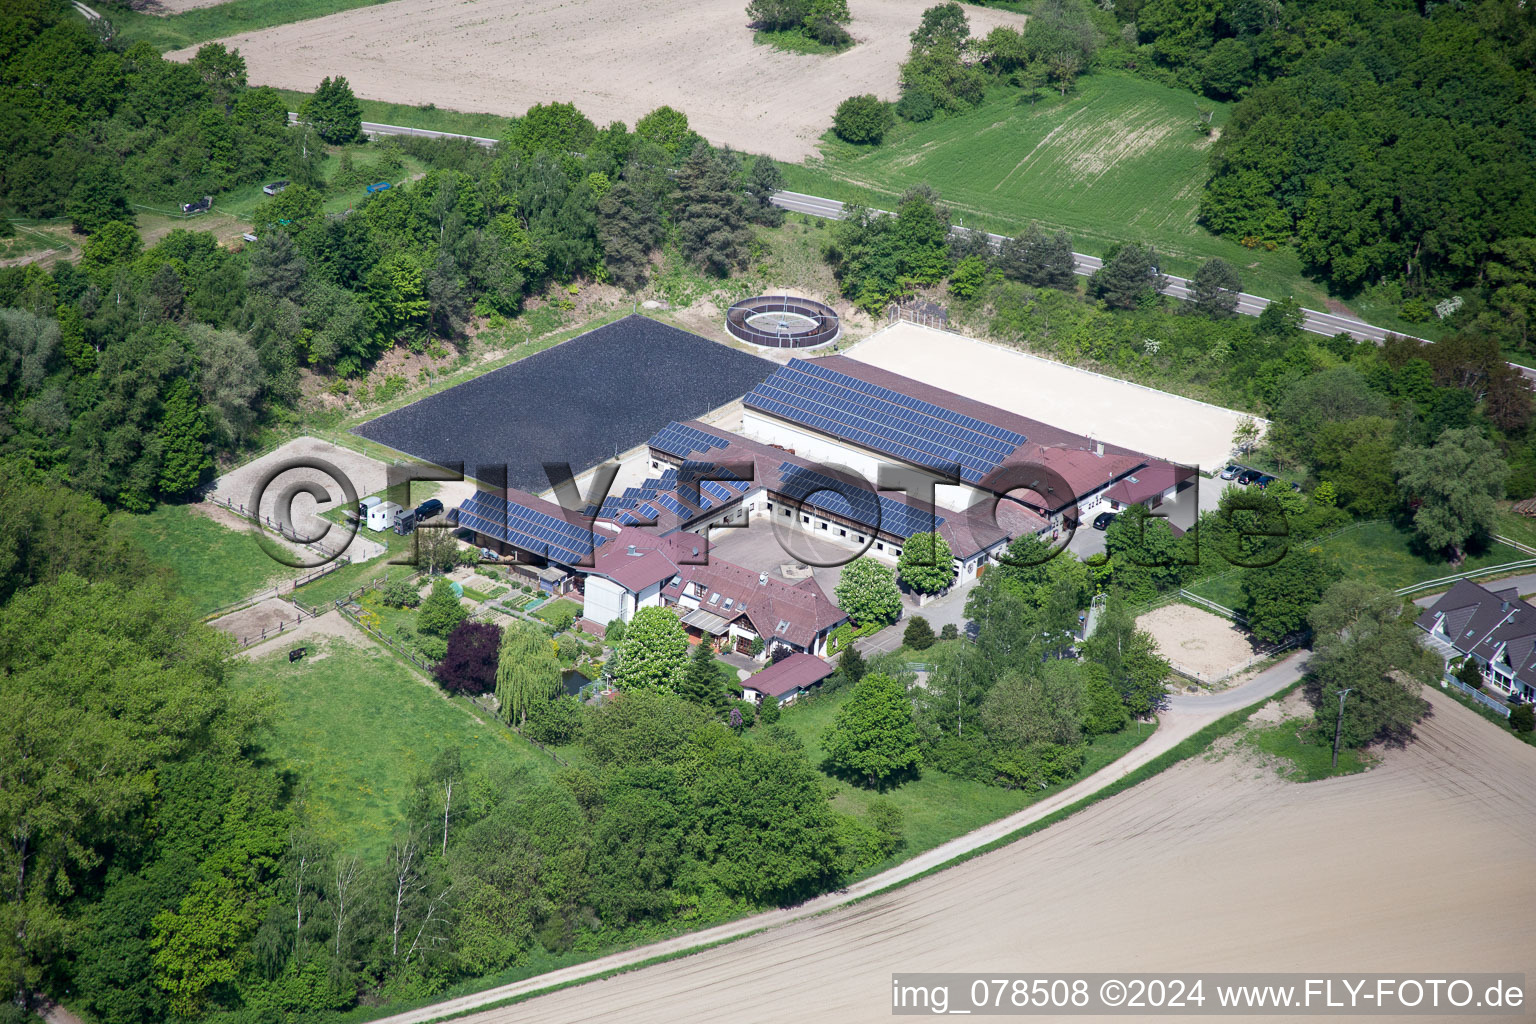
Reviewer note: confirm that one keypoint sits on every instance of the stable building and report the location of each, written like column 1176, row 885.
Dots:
column 840, row 411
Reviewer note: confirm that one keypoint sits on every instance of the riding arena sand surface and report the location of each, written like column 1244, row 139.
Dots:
column 1216, row 865
column 1199, row 643
column 614, row 61
column 1107, row 409
column 367, row 476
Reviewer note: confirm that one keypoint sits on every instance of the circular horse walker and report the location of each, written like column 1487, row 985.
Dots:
column 783, row 321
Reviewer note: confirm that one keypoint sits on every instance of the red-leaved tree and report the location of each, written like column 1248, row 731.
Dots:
column 470, row 664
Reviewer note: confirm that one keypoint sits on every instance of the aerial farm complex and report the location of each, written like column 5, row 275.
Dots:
column 766, row 511
column 850, row 458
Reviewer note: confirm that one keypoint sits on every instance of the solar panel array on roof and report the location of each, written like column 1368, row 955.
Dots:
column 856, row 503
column 884, row 420
column 530, row 529
column 679, row 439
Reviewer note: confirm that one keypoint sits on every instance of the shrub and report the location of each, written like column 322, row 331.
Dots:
column 862, row 119
column 919, row 635
column 555, row 722
column 401, row 594
column 613, row 633
column 1522, row 718
column 469, row 661
column 441, row 612
column 949, row 632
column 768, row 710
column 433, row 648
column 916, row 105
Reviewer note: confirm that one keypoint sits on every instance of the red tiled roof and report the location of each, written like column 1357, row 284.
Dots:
column 803, row 607
column 1147, row 482
column 636, row 559
column 796, row 672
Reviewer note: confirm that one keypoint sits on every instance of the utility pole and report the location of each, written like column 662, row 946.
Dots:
column 1339, row 725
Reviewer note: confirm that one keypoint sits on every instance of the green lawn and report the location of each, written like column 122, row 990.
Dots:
column 357, row 725
column 204, row 23
column 349, row 577
column 936, row 807
column 1306, row 756
column 548, row 611
column 1516, row 527
column 211, row 564
column 1380, row 553
column 793, row 40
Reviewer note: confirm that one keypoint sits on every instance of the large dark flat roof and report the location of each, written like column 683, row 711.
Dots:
column 611, row 388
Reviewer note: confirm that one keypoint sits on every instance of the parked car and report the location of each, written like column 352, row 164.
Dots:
column 1264, row 480
column 1231, row 471
column 1248, row 476
column 1102, row 520
column 428, row 509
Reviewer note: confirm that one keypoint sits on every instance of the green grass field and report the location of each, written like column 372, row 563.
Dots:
column 937, row 807
column 211, row 564
column 1379, row 553
column 172, row 32
column 357, row 726
column 1118, row 160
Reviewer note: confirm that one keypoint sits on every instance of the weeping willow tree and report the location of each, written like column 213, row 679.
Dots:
column 527, row 670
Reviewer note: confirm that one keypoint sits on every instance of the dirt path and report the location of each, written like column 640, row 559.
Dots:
column 1214, row 865
column 1186, row 718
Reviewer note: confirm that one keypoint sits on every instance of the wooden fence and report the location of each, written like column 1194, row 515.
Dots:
column 285, row 587
column 408, row 655
column 557, row 758
column 273, row 526
column 267, row 632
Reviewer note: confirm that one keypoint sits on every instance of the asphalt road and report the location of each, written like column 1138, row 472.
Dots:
column 1185, row 716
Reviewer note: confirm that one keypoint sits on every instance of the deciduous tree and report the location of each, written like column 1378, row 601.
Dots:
column 654, row 653
column 1451, row 487
column 867, row 592
column 872, row 738
column 926, row 563
column 527, row 669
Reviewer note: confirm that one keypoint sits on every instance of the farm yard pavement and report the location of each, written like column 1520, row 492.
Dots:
column 612, row 61
column 1214, row 865
column 821, row 944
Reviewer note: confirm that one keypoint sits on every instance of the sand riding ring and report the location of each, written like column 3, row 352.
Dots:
column 783, row 321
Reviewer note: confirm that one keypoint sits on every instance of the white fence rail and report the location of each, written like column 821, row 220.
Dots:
column 1497, row 706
